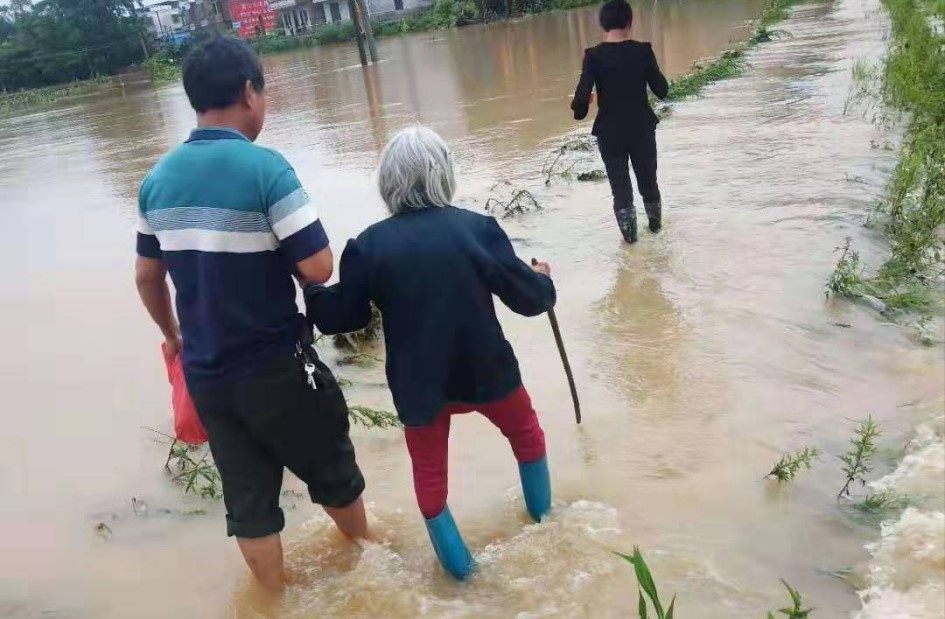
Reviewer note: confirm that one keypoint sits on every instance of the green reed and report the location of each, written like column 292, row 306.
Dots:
column 797, row 610
column 646, row 585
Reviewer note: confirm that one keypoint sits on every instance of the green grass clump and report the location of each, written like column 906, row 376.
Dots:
column 731, row 62
column 881, row 503
column 913, row 213
column 163, row 67
column 790, row 464
column 727, row 65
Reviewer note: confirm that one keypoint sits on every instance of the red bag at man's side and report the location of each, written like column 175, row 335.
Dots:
column 187, row 426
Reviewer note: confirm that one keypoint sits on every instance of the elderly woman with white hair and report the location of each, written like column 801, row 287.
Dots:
column 432, row 270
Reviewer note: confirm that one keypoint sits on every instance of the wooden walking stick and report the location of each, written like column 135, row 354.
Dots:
column 564, row 358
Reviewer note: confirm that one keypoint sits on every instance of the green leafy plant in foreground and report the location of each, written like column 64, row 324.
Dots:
column 858, row 460
column 192, row 468
column 797, row 610
column 790, row 464
column 645, row 584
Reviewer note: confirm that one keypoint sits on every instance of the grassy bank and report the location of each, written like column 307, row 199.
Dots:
column 913, row 211
column 50, row 94
column 732, row 61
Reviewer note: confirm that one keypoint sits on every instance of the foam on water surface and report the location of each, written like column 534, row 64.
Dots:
column 907, row 571
column 533, row 570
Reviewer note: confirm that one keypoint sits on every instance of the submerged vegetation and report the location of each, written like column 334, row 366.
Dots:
column 881, row 503
column 731, row 62
column 51, row 94
column 913, row 211
column 790, row 464
column 858, row 460
column 522, row 201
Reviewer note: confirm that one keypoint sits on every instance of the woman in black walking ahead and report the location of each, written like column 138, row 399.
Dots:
column 620, row 69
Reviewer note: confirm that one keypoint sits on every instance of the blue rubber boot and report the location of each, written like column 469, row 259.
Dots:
column 449, row 545
column 536, row 486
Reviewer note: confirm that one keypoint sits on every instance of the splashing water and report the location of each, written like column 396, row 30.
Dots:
column 519, row 567
column 907, row 571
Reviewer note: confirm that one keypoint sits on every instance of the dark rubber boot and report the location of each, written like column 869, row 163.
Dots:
column 654, row 211
column 627, row 222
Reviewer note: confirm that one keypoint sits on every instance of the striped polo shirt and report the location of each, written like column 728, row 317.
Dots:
column 230, row 220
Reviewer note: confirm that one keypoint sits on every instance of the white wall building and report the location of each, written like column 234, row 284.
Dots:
column 301, row 16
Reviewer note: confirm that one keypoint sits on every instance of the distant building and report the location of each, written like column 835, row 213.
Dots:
column 207, row 13
column 174, row 21
column 168, row 19
column 298, row 17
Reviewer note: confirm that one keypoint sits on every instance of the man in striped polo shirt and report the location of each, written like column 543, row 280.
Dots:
column 232, row 225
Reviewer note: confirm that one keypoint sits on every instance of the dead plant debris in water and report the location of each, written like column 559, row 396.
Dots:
column 521, row 202
column 357, row 339
column 592, row 175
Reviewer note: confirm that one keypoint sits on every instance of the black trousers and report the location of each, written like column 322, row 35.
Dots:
column 618, row 154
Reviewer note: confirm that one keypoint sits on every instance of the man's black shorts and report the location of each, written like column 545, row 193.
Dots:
column 276, row 419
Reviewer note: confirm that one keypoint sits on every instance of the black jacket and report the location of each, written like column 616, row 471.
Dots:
column 432, row 274
column 620, row 72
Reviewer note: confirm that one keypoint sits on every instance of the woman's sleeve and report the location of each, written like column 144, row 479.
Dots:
column 345, row 306
column 522, row 290
column 655, row 77
column 582, row 95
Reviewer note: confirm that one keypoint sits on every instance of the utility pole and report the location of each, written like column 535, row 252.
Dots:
column 368, row 30
column 358, row 33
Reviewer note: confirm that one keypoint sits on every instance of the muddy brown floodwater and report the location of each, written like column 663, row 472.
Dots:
column 701, row 354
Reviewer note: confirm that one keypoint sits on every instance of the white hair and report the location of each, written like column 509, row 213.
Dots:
column 416, row 171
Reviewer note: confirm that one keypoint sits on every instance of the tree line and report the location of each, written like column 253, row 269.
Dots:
column 56, row 41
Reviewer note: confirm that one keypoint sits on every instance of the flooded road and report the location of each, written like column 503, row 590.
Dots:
column 701, row 354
